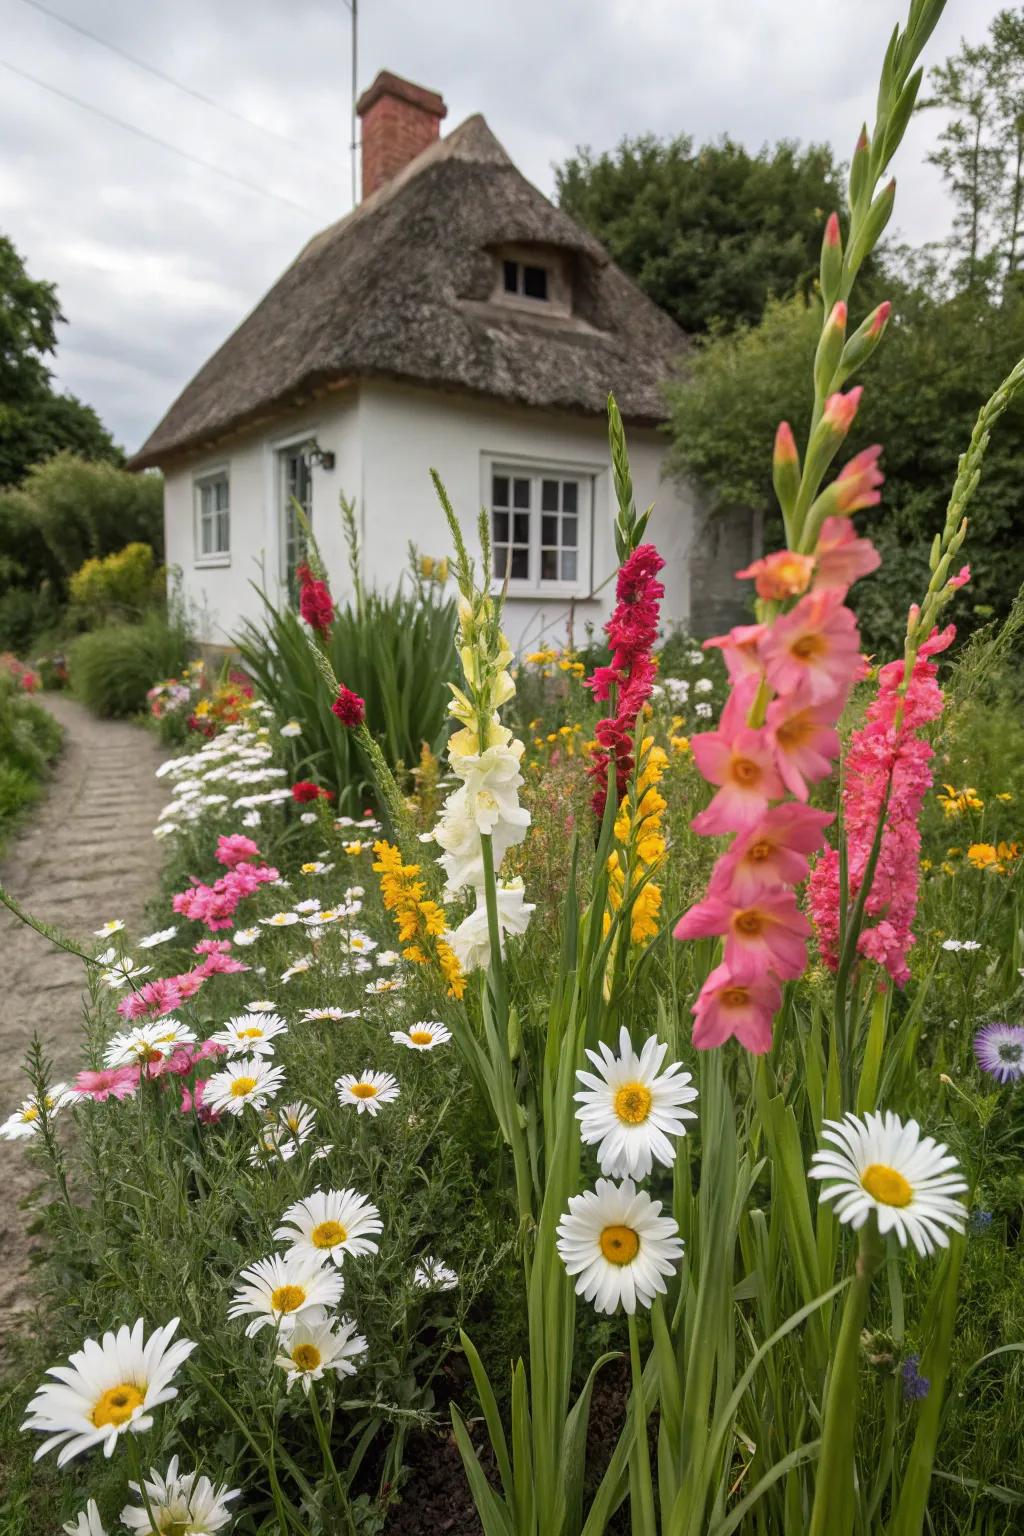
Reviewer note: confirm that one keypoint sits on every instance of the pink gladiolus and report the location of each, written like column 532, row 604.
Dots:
column 739, row 759
column 961, row 579
column 832, row 229
column 728, row 1007
column 768, row 936
column 880, row 319
column 781, row 575
column 805, row 740
column 739, row 650
column 772, row 853
column 858, row 483
column 815, row 647
column 113, row 1082
column 236, row 849
column 840, row 557
column 840, row 409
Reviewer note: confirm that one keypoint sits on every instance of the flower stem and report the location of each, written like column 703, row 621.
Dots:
column 644, row 1523
column 329, row 1464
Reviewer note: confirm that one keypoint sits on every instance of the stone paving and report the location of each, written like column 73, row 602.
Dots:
column 86, row 855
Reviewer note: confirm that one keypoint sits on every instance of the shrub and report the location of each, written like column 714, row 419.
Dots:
column 23, row 614
column 111, row 669
column 129, row 580
column 29, row 739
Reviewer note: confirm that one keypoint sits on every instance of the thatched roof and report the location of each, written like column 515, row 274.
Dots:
column 402, row 289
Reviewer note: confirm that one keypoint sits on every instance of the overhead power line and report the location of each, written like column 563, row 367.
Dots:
column 151, row 138
column 160, row 74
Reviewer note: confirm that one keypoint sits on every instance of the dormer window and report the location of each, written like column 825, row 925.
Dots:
column 534, row 279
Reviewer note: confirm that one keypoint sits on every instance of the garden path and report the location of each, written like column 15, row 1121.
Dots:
column 87, row 855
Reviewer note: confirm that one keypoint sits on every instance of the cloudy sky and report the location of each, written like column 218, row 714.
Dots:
column 157, row 257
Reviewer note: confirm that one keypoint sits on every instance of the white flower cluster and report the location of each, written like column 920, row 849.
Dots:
column 238, row 757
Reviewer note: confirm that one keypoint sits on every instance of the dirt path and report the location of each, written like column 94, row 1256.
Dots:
column 87, row 855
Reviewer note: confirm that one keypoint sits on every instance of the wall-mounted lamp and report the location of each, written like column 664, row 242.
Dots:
column 322, row 456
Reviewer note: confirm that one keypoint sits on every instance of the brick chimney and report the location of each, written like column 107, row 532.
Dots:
column 399, row 120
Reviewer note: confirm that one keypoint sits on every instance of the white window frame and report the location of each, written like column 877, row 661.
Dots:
column 279, row 450
column 537, row 470
column 212, row 475
column 559, row 299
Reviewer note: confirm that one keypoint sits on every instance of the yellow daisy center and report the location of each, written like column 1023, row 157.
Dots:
column 250, row 1034
column 328, row 1234
column 363, row 1091
column 633, row 1103
column 31, row 1113
column 287, row 1298
column 421, row 1036
column 620, row 1245
column 886, row 1185
column 117, row 1405
column 242, row 1086
column 306, row 1356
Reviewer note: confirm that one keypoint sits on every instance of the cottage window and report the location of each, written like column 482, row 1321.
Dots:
column 540, row 529
column 534, row 280
column 295, row 480
column 213, row 518
column 526, row 279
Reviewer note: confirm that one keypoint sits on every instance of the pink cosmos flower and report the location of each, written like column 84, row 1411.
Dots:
column 781, row 575
column 236, row 849
column 194, row 1097
column 805, row 741
column 840, row 557
column 153, row 1000
column 219, row 965
column 112, row 1082
column 739, row 759
column 728, row 1007
column 772, row 853
column 816, row 647
column 858, row 482
column 189, row 983
column 766, row 936
column 212, row 947
column 739, row 650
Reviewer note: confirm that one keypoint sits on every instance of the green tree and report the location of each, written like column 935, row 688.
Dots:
column 36, row 420
column 709, row 233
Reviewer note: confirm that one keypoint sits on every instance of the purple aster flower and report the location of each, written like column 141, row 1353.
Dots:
column 915, row 1386
column 1000, row 1051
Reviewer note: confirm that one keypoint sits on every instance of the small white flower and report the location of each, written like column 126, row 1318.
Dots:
column 367, row 1092
column 618, row 1246
column 107, row 1388
column 330, row 1223
column 312, row 1348
column 703, row 711
column 334, row 1014
column 388, row 958
column 311, row 904
column 308, row 818
column 123, row 971
column 423, row 1036
column 246, row 936
column 281, row 919
column 248, row 1080
column 185, row 1503
column 703, row 685
column 292, row 728
column 958, row 944
column 161, row 936
column 431, row 1275
column 315, row 867
column 296, row 969
column 25, row 1121
column 384, row 984
column 261, row 1005
column 630, row 1109
column 280, row 1289
column 145, row 1043
column 115, row 925
column 359, row 943
column 251, row 1033
column 88, row 1522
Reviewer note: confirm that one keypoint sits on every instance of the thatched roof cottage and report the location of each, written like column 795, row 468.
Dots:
column 458, row 319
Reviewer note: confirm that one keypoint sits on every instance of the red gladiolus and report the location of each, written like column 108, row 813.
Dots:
column 349, row 707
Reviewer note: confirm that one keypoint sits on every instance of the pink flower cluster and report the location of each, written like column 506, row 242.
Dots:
column 236, row 849
column 215, row 904
column 790, row 682
column 157, row 998
column 123, row 1082
column 632, row 631
column 886, row 752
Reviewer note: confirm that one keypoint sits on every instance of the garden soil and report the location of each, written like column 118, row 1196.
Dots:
column 86, row 855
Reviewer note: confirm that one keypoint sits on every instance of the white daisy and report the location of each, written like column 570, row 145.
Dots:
column 87, row 1524
column 298, row 1120
column 388, row 957
column 115, row 925
column 187, row 1504
column 311, row 904
column 249, row 1080
column 315, row 867
column 160, row 937
column 879, row 1164
column 144, row 1043
column 630, row 1109
column 122, row 971
column 276, row 1291
column 323, row 916
column 25, row 1121
column 252, row 1033
column 334, row 1014
column 359, row 943
column 252, row 818
column 431, row 1274
column 385, row 984
column 246, row 936
column 618, row 1246
column 422, row 1037
column 313, row 1348
column 107, row 1387
column 957, row 944
column 272, row 1145
column 261, row 1005
column 330, row 1223
column 291, row 728
column 367, row 1092
column 296, row 968
column 353, row 892
column 281, row 920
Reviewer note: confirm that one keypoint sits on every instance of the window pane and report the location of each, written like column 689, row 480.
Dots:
column 549, row 496
column 520, row 564
column 568, row 532
column 223, row 532
column 549, row 530
column 568, row 565
column 500, row 527
column 569, row 488
column 549, row 565
column 520, row 527
column 205, row 535
column 520, row 493
column 535, row 282
column 221, row 494
column 499, row 491
column 511, row 276
column 500, row 557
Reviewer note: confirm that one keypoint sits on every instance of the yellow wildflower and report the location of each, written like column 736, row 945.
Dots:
column 956, row 801
column 421, row 922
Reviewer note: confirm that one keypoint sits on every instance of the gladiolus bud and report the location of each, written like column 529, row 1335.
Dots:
column 859, row 167
column 830, row 348
column 831, row 270
column 840, row 410
column 875, row 220
column 785, row 467
column 863, row 341
column 961, row 579
column 879, row 319
column 858, row 483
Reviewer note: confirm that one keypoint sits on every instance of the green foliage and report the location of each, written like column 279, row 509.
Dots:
column 709, row 233
column 35, row 420
column 29, row 739
column 128, row 581
column 393, row 649
column 111, row 669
